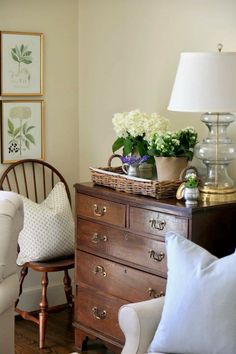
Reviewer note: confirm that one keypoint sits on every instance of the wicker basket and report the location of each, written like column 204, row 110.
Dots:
column 113, row 177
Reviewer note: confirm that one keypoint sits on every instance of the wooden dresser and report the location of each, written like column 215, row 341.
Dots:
column 120, row 252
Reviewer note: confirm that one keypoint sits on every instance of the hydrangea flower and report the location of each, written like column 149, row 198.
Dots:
column 135, row 130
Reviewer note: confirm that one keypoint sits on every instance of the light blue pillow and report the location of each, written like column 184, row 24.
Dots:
column 199, row 314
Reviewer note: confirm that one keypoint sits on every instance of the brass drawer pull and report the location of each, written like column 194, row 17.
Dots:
column 99, row 211
column 154, row 294
column 97, row 238
column 99, row 269
column 158, row 257
column 157, row 224
column 99, row 314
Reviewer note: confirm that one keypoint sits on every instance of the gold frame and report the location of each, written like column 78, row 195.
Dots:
column 40, row 91
column 42, row 140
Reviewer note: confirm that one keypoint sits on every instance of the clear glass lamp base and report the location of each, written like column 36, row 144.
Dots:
column 216, row 152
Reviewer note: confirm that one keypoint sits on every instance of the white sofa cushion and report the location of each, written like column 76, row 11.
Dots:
column 48, row 231
column 199, row 315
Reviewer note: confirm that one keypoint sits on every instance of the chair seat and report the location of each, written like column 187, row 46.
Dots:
column 52, row 266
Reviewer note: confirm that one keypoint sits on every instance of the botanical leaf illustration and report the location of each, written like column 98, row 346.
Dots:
column 10, row 127
column 27, row 144
column 30, row 138
column 24, row 127
column 21, row 55
column 16, row 132
column 20, row 136
column 29, row 128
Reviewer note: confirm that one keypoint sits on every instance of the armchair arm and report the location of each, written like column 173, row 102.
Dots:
column 11, row 222
column 139, row 322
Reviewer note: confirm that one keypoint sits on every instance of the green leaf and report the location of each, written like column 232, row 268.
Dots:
column 128, row 147
column 14, row 56
column 27, row 144
column 27, row 54
column 25, row 50
column 30, row 138
column 152, row 152
column 142, row 148
column 10, row 126
column 117, row 144
column 29, row 128
column 17, row 51
column 24, row 128
column 189, row 155
column 26, row 61
column 21, row 49
column 16, row 131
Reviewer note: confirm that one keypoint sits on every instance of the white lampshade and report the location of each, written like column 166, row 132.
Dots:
column 205, row 82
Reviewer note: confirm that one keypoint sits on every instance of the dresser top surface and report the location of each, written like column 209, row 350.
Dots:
column 171, row 203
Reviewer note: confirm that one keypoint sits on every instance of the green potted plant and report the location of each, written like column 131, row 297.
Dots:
column 191, row 192
column 191, row 181
column 172, row 151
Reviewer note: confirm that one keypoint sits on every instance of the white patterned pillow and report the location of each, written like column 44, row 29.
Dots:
column 48, row 231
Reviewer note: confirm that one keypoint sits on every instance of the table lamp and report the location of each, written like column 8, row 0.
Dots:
column 206, row 83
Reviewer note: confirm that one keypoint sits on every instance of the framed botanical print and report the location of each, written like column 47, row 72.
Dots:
column 21, row 64
column 22, row 130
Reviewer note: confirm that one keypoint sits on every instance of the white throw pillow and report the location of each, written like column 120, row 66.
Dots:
column 199, row 314
column 48, row 231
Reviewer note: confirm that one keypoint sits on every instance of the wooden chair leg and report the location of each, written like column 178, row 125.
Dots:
column 43, row 315
column 23, row 273
column 68, row 288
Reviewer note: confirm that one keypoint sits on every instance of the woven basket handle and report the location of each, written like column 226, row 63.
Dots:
column 185, row 170
column 112, row 157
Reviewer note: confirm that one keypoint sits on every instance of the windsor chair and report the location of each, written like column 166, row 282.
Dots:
column 35, row 179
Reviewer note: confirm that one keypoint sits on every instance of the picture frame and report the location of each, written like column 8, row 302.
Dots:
column 22, row 130
column 21, row 63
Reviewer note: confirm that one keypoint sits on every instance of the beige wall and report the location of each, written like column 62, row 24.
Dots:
column 128, row 55
column 58, row 20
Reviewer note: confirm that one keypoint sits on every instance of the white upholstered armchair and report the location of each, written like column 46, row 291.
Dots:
column 11, row 222
column 197, row 316
column 139, row 322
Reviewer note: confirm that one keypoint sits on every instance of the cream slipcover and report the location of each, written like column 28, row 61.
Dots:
column 11, row 222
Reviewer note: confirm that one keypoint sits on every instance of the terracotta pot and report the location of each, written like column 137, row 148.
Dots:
column 170, row 168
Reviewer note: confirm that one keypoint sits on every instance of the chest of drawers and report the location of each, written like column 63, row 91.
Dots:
column 120, row 252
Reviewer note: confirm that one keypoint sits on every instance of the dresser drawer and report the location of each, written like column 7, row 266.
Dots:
column 118, row 280
column 142, row 251
column 156, row 223
column 101, row 209
column 98, row 311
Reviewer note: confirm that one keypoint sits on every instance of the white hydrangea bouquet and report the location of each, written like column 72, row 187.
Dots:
column 135, row 131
